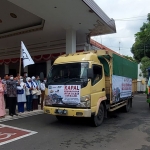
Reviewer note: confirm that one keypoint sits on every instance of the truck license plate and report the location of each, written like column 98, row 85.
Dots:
column 60, row 111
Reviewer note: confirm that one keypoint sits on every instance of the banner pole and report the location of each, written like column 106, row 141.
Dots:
column 20, row 64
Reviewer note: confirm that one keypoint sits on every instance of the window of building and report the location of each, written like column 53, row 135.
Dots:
column 97, row 70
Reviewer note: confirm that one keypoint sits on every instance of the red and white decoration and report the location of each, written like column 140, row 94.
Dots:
column 37, row 58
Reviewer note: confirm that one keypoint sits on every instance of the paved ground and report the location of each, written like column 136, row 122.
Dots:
column 122, row 131
column 21, row 115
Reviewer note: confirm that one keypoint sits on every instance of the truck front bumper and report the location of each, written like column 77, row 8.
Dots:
column 68, row 111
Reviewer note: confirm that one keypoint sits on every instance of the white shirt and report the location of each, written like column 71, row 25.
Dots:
column 43, row 86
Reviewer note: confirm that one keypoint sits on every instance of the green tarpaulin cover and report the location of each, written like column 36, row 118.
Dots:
column 121, row 66
column 124, row 67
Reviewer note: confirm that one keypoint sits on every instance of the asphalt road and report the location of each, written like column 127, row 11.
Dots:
column 122, row 131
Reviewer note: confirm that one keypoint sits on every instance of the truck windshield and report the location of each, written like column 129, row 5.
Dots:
column 68, row 72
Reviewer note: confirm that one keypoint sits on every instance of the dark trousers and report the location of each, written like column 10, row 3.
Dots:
column 6, row 101
column 42, row 98
column 29, row 103
column 35, row 104
column 21, row 107
column 39, row 99
column 12, row 105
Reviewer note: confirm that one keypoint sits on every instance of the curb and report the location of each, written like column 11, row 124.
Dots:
column 23, row 115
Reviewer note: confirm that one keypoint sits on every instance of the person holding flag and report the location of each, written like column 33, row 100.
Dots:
column 27, row 60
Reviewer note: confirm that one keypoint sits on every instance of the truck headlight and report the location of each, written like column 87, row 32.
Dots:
column 85, row 101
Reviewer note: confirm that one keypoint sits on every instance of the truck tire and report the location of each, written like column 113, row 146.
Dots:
column 98, row 119
column 127, row 107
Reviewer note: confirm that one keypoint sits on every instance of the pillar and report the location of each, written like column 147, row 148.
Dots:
column 70, row 41
column 6, row 68
column 48, row 65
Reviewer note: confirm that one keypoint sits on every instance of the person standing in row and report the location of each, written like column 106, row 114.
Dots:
column 12, row 95
column 35, row 96
column 5, row 91
column 21, row 95
column 29, row 88
column 2, row 103
column 37, row 81
column 42, row 92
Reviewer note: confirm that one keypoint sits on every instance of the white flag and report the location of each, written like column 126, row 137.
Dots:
column 27, row 60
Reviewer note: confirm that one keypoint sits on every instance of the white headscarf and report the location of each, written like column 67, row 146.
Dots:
column 33, row 81
column 33, row 78
column 27, row 79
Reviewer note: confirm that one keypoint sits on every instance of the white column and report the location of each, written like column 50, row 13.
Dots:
column 70, row 41
column 26, row 69
column 48, row 65
column 6, row 69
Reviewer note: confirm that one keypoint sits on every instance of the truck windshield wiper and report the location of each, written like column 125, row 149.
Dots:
column 72, row 79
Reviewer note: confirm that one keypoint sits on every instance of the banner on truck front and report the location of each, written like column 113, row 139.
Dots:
column 121, row 87
column 64, row 94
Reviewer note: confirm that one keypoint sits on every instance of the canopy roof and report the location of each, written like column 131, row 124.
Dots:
column 42, row 24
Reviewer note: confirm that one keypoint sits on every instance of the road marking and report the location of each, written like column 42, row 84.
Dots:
column 5, row 135
column 9, row 134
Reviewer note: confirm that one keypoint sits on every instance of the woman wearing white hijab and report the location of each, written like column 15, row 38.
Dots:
column 29, row 88
column 35, row 97
column 21, row 95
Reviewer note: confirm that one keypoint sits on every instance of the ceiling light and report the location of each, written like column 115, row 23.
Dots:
column 13, row 15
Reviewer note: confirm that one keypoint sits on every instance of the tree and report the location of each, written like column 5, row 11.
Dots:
column 141, row 47
column 145, row 63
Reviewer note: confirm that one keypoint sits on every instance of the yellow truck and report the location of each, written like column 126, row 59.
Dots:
column 89, row 84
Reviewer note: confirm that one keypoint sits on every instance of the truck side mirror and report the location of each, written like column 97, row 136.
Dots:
column 90, row 73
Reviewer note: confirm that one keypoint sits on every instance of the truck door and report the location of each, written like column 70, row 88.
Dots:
column 97, row 84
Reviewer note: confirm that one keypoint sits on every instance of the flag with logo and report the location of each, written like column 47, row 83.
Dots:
column 27, row 60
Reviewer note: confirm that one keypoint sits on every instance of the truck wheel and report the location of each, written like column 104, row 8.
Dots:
column 127, row 107
column 61, row 118
column 98, row 119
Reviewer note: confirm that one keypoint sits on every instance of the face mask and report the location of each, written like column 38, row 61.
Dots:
column 11, row 78
column 26, row 74
column 45, row 81
column 21, row 80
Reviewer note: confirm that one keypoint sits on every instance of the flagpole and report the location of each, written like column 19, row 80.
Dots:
column 20, row 64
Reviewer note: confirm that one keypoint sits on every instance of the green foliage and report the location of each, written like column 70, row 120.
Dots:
column 141, row 47
column 145, row 63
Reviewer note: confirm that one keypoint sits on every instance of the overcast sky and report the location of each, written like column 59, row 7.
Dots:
column 135, row 10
